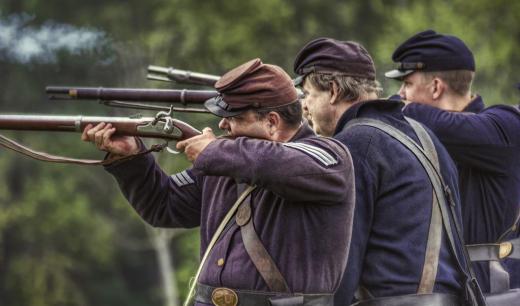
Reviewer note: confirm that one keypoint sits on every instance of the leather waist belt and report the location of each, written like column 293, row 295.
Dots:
column 432, row 299
column 495, row 251
column 221, row 296
column 507, row 298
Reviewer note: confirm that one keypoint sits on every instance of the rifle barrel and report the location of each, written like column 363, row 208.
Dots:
column 140, row 127
column 181, row 76
column 130, row 94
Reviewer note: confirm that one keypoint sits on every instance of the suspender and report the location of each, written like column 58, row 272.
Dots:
column 433, row 244
column 442, row 193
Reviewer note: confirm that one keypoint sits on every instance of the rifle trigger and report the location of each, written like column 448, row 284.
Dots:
column 172, row 151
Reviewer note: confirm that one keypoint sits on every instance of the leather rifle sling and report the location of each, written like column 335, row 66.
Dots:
column 263, row 262
column 216, row 236
column 443, row 195
column 433, row 244
column 42, row 156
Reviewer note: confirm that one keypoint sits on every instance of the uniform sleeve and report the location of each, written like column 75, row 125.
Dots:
column 482, row 140
column 162, row 200
column 314, row 170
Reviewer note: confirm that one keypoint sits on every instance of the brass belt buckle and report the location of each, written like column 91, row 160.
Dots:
column 224, row 297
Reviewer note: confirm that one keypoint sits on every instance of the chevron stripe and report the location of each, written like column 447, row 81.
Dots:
column 182, row 178
column 317, row 153
column 187, row 177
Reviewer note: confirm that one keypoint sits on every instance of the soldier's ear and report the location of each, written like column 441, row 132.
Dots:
column 273, row 121
column 334, row 92
column 438, row 88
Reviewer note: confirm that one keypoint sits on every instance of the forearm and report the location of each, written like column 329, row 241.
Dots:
column 154, row 195
column 284, row 170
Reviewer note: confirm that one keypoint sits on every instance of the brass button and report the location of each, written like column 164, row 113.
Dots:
column 220, row 262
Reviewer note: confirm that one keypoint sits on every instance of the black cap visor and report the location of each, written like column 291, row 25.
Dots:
column 214, row 105
column 398, row 74
column 298, row 81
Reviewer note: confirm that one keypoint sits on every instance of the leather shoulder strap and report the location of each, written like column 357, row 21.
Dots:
column 256, row 250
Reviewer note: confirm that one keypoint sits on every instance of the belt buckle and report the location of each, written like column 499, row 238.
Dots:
column 224, row 297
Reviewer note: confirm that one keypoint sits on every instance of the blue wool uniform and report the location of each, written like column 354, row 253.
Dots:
column 393, row 209
column 302, row 209
column 485, row 145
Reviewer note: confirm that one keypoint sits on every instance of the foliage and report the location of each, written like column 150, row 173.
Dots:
column 67, row 236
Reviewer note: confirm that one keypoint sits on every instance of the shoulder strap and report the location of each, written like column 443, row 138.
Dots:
column 216, row 236
column 433, row 244
column 256, row 250
column 443, row 195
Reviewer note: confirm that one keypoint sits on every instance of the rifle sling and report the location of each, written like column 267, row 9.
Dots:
column 42, row 156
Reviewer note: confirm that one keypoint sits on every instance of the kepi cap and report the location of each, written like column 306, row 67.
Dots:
column 252, row 85
column 430, row 51
column 327, row 55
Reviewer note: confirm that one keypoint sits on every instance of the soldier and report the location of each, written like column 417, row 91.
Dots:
column 288, row 241
column 437, row 71
column 400, row 253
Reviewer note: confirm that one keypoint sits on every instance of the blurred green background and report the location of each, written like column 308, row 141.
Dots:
column 67, row 236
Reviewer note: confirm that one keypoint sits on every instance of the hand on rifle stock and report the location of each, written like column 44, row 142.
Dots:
column 102, row 135
column 193, row 146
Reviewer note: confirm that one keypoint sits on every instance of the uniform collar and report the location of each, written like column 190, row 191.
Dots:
column 304, row 131
column 391, row 107
column 475, row 106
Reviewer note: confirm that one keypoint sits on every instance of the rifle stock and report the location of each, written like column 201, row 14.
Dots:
column 183, row 96
column 149, row 127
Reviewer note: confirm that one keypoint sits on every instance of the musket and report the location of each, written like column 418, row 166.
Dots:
column 183, row 96
column 149, row 127
column 162, row 126
column 170, row 74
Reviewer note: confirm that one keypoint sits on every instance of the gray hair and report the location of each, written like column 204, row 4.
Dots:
column 350, row 88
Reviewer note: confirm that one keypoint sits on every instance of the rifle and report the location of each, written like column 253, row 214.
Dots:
column 170, row 74
column 183, row 96
column 162, row 126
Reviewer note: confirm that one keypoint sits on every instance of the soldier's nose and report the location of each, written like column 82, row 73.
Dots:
column 223, row 124
column 402, row 92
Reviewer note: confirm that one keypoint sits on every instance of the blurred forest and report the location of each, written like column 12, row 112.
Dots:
column 67, row 236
